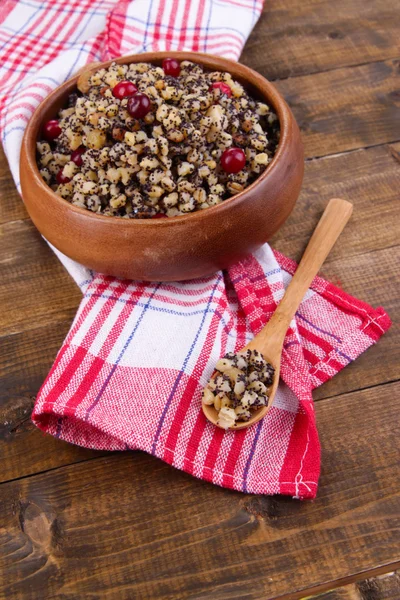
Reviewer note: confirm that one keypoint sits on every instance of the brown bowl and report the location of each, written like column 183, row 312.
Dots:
column 177, row 248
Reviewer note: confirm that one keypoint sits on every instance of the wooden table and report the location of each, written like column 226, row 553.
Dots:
column 76, row 524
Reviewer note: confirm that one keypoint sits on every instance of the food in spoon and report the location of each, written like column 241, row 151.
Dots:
column 239, row 385
column 139, row 140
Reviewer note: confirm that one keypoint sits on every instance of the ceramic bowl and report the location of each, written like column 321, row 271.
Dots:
column 177, row 248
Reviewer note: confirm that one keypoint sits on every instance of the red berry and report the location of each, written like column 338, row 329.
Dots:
column 61, row 178
column 171, row 67
column 224, row 87
column 233, row 160
column 139, row 105
column 76, row 156
column 159, row 216
column 124, row 89
column 51, row 130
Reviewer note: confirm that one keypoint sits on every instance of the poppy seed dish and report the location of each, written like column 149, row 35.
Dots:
column 146, row 141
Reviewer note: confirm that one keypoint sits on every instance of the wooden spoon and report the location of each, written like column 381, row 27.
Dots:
column 269, row 341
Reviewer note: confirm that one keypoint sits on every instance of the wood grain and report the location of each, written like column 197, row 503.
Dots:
column 38, row 289
column 296, row 38
column 370, row 179
column 11, row 205
column 345, row 109
column 25, row 359
column 370, row 277
column 96, row 529
column 128, row 526
column 383, row 587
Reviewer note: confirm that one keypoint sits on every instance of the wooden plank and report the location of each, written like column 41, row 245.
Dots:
column 371, row 278
column 370, row 179
column 98, row 529
column 345, row 109
column 383, row 587
column 11, row 205
column 38, row 290
column 297, row 38
column 25, row 359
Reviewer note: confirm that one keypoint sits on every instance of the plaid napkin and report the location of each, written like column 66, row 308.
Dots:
column 130, row 372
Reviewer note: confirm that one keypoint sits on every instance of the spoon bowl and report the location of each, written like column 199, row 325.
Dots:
column 269, row 341
column 211, row 413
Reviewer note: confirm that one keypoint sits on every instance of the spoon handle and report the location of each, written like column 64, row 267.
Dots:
column 330, row 226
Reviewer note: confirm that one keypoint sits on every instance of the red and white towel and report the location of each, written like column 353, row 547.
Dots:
column 130, row 372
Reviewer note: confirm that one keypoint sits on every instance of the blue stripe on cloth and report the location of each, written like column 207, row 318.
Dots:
column 208, row 26
column 185, row 362
column 42, row 37
column 318, row 328
column 164, row 310
column 252, row 451
column 147, row 25
column 128, row 341
column 344, row 355
column 169, row 311
column 90, row 14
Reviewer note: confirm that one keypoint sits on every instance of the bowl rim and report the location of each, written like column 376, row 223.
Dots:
column 272, row 96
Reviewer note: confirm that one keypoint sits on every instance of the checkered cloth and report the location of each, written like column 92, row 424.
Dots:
column 130, row 372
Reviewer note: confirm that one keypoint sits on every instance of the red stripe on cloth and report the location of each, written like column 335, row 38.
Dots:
column 19, row 117
column 6, row 8
column 157, row 26
column 184, row 25
column 300, row 470
column 169, row 36
column 116, row 330
column 85, row 385
column 212, row 454
column 115, row 23
column 59, row 357
column 310, row 336
column 187, row 395
column 199, row 18
column 88, row 306
column 96, row 45
column 103, row 313
column 64, row 379
column 232, row 458
column 215, row 443
column 194, row 441
column 311, row 358
column 179, row 417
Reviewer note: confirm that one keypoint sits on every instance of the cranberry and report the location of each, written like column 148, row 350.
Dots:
column 139, row 105
column 51, row 130
column 76, row 156
column 159, row 216
column 61, row 178
column 233, row 160
column 171, row 67
column 224, row 87
column 124, row 89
